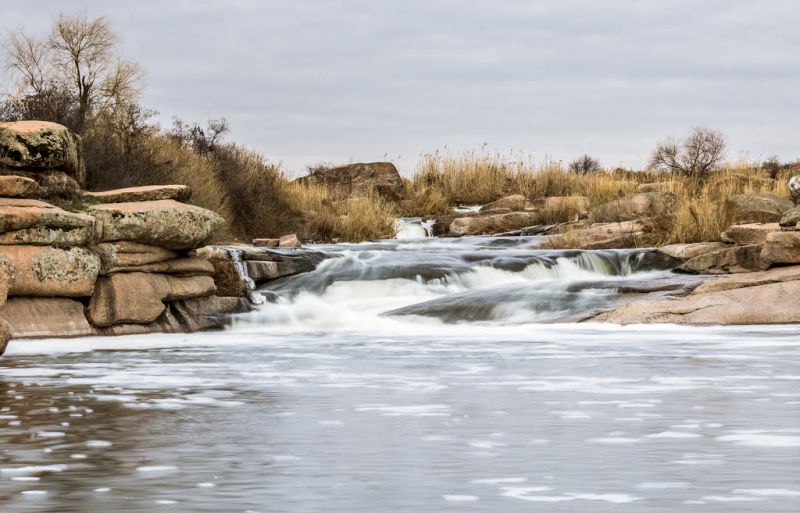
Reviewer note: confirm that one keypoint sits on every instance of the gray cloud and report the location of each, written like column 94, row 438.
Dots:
column 310, row 81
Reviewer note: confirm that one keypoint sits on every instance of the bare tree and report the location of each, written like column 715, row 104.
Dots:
column 696, row 156
column 204, row 141
column 76, row 60
column 584, row 165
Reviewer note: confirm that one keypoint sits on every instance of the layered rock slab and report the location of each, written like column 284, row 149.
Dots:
column 165, row 223
column 126, row 254
column 736, row 259
column 12, row 186
column 33, row 317
column 140, row 298
column 29, row 221
column 51, row 272
column 143, row 193
column 748, row 305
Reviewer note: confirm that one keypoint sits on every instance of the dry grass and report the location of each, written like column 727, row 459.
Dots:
column 443, row 181
column 325, row 216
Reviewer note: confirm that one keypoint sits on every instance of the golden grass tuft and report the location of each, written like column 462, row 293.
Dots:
column 326, row 216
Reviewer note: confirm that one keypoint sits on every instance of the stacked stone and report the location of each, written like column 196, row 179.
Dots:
column 121, row 265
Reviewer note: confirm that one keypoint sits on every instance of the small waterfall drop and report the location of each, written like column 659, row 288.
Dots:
column 413, row 228
column 237, row 260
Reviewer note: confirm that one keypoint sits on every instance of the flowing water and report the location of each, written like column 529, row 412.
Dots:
column 414, row 376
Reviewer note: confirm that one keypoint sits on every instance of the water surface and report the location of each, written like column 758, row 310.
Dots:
column 324, row 402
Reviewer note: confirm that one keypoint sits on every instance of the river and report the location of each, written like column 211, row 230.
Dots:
column 415, row 376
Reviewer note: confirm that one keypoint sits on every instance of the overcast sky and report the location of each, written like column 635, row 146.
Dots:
column 309, row 81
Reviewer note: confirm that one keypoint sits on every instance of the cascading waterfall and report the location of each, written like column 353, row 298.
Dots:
column 486, row 280
column 255, row 297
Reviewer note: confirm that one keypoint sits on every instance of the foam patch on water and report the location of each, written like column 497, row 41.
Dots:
column 460, row 498
column 763, row 439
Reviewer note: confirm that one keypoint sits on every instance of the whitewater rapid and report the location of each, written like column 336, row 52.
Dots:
column 425, row 282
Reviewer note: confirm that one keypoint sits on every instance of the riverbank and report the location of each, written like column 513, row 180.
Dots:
column 145, row 259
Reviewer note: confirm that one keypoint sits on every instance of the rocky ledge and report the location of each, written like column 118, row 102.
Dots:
column 115, row 262
column 758, row 282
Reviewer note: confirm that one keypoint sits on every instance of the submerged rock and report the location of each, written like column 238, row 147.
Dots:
column 165, row 223
column 35, row 145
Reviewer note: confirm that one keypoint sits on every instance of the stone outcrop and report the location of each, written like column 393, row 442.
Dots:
column 289, row 241
column 734, row 259
column 751, row 233
column 598, row 235
column 782, row 248
column 754, row 302
column 144, row 193
column 51, row 272
column 489, row 224
column 689, row 251
column 165, row 223
column 125, row 262
column 39, row 145
column 140, row 297
column 359, row 179
column 635, row 206
column 238, row 269
column 756, row 208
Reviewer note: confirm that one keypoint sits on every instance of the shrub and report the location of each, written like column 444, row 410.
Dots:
column 695, row 156
column 584, row 165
